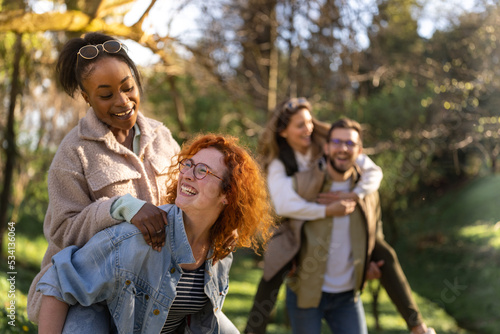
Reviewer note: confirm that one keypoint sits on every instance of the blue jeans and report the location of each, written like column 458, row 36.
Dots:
column 92, row 319
column 342, row 313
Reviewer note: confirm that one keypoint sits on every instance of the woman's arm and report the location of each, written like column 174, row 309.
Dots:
column 84, row 275
column 52, row 315
column 286, row 201
column 73, row 217
column 371, row 176
column 148, row 218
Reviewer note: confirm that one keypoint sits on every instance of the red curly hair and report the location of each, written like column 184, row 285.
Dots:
column 248, row 210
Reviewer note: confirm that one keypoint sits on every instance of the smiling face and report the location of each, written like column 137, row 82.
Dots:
column 298, row 131
column 202, row 196
column 340, row 155
column 113, row 94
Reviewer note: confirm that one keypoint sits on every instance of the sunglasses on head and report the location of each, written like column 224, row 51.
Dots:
column 91, row 51
column 294, row 103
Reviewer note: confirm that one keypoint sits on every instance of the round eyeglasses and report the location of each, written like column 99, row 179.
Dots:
column 91, row 51
column 200, row 169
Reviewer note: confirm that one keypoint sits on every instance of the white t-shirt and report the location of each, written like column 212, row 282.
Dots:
column 339, row 275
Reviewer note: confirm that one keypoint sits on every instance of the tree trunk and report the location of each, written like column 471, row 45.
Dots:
column 273, row 63
column 10, row 139
column 180, row 111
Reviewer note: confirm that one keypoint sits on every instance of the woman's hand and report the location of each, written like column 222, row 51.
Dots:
column 373, row 271
column 340, row 208
column 151, row 222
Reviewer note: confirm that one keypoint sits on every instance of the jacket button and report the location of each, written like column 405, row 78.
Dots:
column 147, row 297
column 156, row 312
column 172, row 270
column 216, row 309
column 142, row 158
column 127, row 282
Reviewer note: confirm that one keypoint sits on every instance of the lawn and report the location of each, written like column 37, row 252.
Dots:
column 452, row 254
column 449, row 249
column 245, row 275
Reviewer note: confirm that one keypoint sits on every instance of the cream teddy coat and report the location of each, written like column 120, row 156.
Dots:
column 89, row 172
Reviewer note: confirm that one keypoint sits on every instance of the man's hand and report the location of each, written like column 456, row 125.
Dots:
column 151, row 222
column 373, row 271
column 340, row 208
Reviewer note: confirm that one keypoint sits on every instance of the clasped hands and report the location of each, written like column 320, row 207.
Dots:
column 338, row 203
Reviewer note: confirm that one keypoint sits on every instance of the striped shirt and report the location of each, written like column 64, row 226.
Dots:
column 190, row 299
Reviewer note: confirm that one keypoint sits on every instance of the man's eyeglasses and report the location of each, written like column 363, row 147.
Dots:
column 200, row 169
column 91, row 51
column 339, row 143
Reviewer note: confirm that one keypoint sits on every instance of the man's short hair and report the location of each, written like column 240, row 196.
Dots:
column 346, row 123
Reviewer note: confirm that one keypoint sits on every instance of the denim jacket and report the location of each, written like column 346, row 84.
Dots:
column 138, row 283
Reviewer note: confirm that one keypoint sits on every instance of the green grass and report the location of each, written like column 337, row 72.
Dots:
column 449, row 250
column 246, row 273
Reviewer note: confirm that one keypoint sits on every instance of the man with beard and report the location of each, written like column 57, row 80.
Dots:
column 334, row 259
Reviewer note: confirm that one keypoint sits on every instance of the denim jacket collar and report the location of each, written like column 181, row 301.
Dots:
column 179, row 244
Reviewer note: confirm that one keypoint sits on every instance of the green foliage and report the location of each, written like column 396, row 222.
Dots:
column 208, row 109
column 450, row 251
column 394, row 108
column 36, row 199
column 395, row 28
column 394, row 120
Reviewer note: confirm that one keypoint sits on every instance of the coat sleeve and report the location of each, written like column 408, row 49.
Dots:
column 85, row 276
column 73, row 217
column 371, row 176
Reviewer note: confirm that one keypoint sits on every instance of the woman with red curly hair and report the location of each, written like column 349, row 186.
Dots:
column 218, row 189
